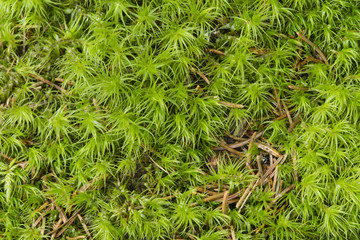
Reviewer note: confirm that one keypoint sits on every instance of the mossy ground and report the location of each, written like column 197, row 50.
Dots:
column 119, row 119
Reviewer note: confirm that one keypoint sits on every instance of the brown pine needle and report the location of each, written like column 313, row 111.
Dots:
column 268, row 149
column 225, row 202
column 201, row 75
column 233, row 236
column 56, row 225
column 42, row 207
column 231, row 105
column 286, row 190
column 225, row 146
column 321, row 54
column 157, row 164
column 84, row 226
column 48, row 82
column 240, row 144
column 75, row 238
column 47, row 210
column 216, row 51
column 294, row 123
column 296, row 178
column 275, row 179
column 247, row 191
column 278, row 101
column 297, row 88
column 287, row 113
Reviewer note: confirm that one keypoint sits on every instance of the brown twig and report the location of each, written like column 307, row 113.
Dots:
column 225, row 202
column 56, row 225
column 228, row 148
column 268, row 149
column 231, row 105
column 286, row 190
column 240, row 144
column 75, row 238
column 297, row 88
column 47, row 210
column 216, row 51
column 233, row 236
column 278, row 101
column 321, row 54
column 296, row 178
column 241, row 201
column 47, row 82
column 275, row 179
column 201, row 75
column 84, row 226
column 67, row 223
column 287, row 112
column 157, row 164
column 294, row 123
column 258, row 161
column 62, row 80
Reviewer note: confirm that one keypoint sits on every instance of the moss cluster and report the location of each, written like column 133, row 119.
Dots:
column 114, row 116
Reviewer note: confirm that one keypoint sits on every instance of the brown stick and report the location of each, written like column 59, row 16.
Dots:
column 240, row 144
column 56, row 225
column 294, row 123
column 233, row 236
column 275, row 179
column 61, row 213
column 75, row 238
column 313, row 45
column 231, row 105
column 68, row 222
column 43, row 226
column 213, row 197
column 268, row 149
column 42, row 207
column 247, row 191
column 278, row 101
column 287, row 113
column 84, row 226
column 296, row 178
column 286, row 190
column 248, row 159
column 48, row 209
column 258, row 161
column 234, row 137
column 200, row 74
column 216, row 51
column 225, row 146
column 62, row 80
column 47, row 82
column 297, row 88
column 225, row 202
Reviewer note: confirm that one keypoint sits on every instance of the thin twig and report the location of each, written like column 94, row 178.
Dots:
column 68, row 222
column 247, row 191
column 227, row 147
column 287, row 112
column 278, row 101
column 268, row 149
column 158, row 164
column 297, row 88
column 48, row 209
column 233, row 236
column 294, row 123
column 84, row 226
column 231, row 105
column 258, row 161
column 216, row 51
column 47, row 82
column 296, row 178
column 56, row 225
column 75, row 238
column 240, row 144
column 225, row 202
column 286, row 190
column 313, row 45
column 275, row 179
column 200, row 74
